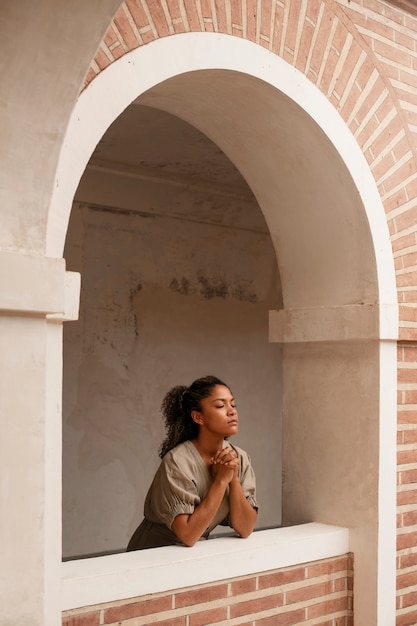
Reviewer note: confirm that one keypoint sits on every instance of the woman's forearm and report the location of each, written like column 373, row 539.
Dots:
column 242, row 514
column 190, row 528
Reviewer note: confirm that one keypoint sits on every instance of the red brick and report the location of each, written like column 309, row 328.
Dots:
column 405, row 220
column 407, row 375
column 197, row 596
column 407, row 417
column 408, row 476
column 340, row 584
column 101, row 59
column 406, row 580
column 221, row 16
column 110, row 37
column 283, row 619
column 208, row 617
column 304, row 46
column 407, row 540
column 306, row 593
column 409, row 599
column 407, row 497
column 173, row 621
column 255, row 606
column 410, row 353
column 409, row 560
column 277, row 30
column 159, row 19
column 251, row 19
column 265, row 20
column 410, row 436
column 407, row 334
column 83, row 619
column 409, row 619
column 125, row 29
column 137, row 12
column 404, row 457
column 192, row 15
column 137, row 609
column 328, row 607
column 403, row 242
column 281, row 578
column 331, row 62
column 243, row 586
column 328, row 567
column 390, row 51
column 236, row 12
column 322, row 40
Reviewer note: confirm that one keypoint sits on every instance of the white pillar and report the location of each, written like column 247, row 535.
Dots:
column 33, row 295
column 339, row 437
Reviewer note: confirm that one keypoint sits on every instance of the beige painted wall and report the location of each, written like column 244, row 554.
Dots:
column 163, row 301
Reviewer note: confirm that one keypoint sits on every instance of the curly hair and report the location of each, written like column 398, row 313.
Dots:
column 176, row 409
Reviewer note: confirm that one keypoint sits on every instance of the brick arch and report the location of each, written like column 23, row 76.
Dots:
column 322, row 42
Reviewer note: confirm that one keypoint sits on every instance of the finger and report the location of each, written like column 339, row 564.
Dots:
column 229, row 453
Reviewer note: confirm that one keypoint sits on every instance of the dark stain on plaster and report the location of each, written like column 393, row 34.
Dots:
column 182, row 286
column 208, row 287
column 212, row 287
column 244, row 293
column 132, row 295
column 120, row 211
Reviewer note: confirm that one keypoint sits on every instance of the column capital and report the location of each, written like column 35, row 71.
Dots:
column 37, row 286
column 335, row 323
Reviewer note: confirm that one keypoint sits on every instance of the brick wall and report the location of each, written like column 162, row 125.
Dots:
column 318, row 593
column 407, row 486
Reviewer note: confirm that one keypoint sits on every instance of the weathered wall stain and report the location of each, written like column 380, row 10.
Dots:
column 215, row 287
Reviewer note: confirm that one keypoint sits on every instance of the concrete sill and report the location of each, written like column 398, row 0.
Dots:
column 127, row 575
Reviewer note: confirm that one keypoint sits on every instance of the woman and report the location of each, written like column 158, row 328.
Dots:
column 202, row 481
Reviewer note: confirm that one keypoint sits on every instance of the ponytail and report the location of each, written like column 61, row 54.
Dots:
column 176, row 408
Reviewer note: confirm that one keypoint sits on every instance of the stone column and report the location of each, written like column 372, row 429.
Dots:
column 36, row 296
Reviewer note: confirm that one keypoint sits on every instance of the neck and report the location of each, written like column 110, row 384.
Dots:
column 208, row 446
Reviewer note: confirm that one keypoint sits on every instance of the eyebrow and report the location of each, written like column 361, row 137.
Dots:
column 222, row 400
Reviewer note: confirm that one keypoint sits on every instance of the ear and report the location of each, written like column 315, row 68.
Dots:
column 196, row 417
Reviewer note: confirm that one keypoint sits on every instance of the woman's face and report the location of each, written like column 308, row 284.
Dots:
column 218, row 413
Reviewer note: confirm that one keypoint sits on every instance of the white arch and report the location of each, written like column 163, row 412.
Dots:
column 143, row 68
column 149, row 66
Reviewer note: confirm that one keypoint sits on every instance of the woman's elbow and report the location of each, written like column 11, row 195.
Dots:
column 188, row 542
column 188, row 539
column 244, row 533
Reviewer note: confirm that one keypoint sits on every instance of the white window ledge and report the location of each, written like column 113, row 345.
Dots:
column 102, row 579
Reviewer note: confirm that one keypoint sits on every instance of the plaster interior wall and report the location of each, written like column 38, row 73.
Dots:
column 332, row 422
column 178, row 275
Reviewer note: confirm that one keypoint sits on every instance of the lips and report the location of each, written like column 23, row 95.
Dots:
column 233, row 423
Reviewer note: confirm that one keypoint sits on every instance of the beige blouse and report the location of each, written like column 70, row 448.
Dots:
column 180, row 484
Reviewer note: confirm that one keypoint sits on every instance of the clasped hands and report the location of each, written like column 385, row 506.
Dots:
column 225, row 464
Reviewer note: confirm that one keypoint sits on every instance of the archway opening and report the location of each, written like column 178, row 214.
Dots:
column 179, row 274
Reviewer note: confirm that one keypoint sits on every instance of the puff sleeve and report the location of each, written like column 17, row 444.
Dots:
column 173, row 492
